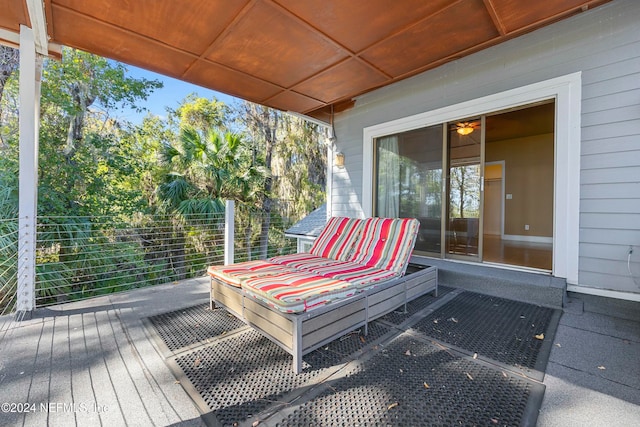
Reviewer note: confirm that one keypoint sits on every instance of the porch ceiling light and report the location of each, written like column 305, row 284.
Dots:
column 464, row 128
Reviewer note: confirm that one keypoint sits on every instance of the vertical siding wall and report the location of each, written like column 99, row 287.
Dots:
column 604, row 44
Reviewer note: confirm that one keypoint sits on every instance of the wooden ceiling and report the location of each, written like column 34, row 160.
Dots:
column 297, row 55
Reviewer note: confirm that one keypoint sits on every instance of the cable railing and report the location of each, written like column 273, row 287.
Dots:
column 83, row 257
column 261, row 236
column 8, row 264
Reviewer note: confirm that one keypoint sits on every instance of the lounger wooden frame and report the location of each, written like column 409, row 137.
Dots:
column 301, row 333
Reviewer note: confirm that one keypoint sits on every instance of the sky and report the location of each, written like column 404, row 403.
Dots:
column 170, row 95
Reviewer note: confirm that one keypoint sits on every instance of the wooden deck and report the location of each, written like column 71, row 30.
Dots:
column 91, row 363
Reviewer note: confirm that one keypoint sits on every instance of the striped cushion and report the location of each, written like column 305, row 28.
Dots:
column 296, row 292
column 386, row 243
column 302, row 261
column 235, row 274
column 359, row 275
column 337, row 238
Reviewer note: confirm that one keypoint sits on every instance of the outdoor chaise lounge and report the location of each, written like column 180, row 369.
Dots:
column 353, row 274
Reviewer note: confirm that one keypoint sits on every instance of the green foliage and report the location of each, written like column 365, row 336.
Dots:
column 53, row 279
column 301, row 159
column 296, row 153
column 123, row 206
column 8, row 247
column 8, row 233
column 201, row 113
column 202, row 169
column 92, row 165
column 99, row 78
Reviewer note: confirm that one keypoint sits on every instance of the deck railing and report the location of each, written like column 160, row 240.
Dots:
column 83, row 257
column 8, row 264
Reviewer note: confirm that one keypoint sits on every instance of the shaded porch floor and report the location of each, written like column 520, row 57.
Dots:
column 96, row 363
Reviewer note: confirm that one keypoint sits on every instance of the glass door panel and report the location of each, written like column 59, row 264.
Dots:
column 409, row 179
column 464, row 198
column 521, row 143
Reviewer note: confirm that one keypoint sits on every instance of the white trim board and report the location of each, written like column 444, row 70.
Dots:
column 567, row 92
column 627, row 296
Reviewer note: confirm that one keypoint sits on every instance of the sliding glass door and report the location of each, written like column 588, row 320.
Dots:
column 412, row 169
column 410, row 182
column 464, row 197
column 437, row 174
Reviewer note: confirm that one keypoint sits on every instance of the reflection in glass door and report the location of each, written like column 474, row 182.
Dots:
column 464, row 183
column 409, row 182
column 437, row 175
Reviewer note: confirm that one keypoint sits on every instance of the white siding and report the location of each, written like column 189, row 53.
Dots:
column 603, row 44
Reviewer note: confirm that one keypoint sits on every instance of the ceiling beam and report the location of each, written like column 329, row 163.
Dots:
column 38, row 25
column 494, row 17
column 310, row 119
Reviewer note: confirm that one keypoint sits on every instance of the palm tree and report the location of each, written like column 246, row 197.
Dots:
column 202, row 170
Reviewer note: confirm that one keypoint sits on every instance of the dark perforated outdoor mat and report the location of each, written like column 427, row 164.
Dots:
column 192, row 325
column 399, row 316
column 245, row 374
column 513, row 333
column 415, row 383
column 346, row 347
column 232, row 377
column 396, row 378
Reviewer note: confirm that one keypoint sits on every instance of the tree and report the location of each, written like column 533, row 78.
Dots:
column 202, row 170
column 9, row 62
column 88, row 166
column 201, row 113
column 72, row 132
column 465, row 190
column 294, row 155
column 299, row 166
column 262, row 123
column 80, row 79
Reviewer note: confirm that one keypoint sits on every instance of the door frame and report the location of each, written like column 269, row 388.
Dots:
column 567, row 92
column 502, row 192
column 445, row 236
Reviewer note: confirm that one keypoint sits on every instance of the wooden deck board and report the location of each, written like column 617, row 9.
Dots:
column 83, row 386
column 40, row 377
column 60, row 373
column 158, row 389
column 91, row 363
column 17, row 362
column 126, row 393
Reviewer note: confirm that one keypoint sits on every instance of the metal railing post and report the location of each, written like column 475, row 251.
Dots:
column 29, row 88
column 229, row 227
